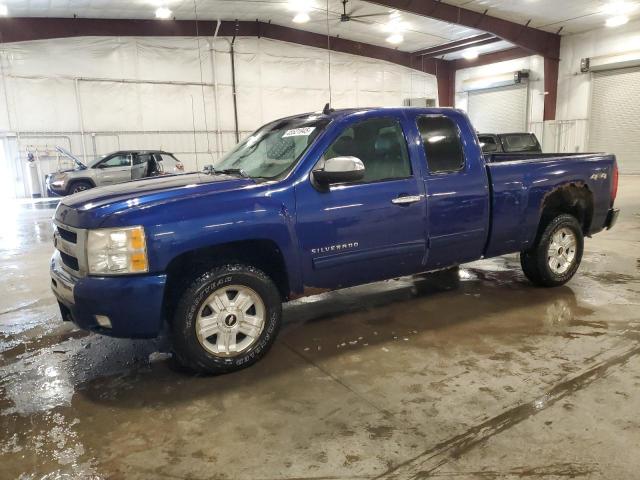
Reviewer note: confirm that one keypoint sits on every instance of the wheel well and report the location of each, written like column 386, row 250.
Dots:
column 574, row 199
column 262, row 254
column 78, row 180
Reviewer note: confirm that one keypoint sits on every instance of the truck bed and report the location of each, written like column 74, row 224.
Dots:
column 519, row 184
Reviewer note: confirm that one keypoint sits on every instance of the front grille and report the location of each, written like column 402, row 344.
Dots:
column 70, row 243
column 69, row 261
column 68, row 235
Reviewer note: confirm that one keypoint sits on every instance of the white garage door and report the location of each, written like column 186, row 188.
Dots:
column 499, row 110
column 615, row 116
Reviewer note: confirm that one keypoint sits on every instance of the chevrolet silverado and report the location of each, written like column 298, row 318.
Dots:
column 312, row 203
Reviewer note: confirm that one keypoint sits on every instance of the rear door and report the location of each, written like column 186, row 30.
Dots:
column 115, row 169
column 457, row 190
column 359, row 232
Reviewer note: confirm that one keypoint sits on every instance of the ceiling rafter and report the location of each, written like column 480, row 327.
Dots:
column 535, row 41
column 38, row 28
column 458, row 46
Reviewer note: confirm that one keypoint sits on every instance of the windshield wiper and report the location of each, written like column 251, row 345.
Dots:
column 232, row 171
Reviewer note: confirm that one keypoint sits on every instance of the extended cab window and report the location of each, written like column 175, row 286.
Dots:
column 441, row 142
column 380, row 145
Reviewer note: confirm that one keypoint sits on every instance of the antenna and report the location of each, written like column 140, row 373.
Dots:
column 204, row 105
column 329, row 53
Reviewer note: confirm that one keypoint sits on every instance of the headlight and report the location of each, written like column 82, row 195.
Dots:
column 115, row 251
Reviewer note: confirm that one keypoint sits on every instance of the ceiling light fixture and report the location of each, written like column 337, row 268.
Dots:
column 470, row 54
column 4, row 11
column 302, row 17
column 616, row 21
column 300, row 5
column 395, row 38
column 163, row 13
column 395, row 27
column 618, row 7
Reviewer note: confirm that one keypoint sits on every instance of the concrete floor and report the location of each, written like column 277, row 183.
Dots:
column 487, row 377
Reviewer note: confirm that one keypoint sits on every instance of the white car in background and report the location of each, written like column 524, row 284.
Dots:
column 117, row 167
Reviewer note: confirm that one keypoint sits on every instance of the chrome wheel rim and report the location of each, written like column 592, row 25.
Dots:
column 562, row 251
column 230, row 321
column 79, row 188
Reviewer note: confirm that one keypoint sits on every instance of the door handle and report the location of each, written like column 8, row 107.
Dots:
column 406, row 199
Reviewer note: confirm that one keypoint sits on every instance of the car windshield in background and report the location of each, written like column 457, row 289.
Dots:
column 274, row 149
column 512, row 143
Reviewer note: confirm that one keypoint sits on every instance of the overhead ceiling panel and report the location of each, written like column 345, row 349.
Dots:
column 420, row 32
column 573, row 15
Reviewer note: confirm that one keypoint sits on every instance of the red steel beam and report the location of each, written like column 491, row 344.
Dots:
column 493, row 57
column 550, row 88
column 458, row 43
column 479, row 43
column 535, row 41
column 33, row 28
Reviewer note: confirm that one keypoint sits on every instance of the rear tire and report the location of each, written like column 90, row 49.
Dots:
column 226, row 320
column 555, row 257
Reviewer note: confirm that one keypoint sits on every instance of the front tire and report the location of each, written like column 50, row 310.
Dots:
column 79, row 186
column 226, row 320
column 557, row 253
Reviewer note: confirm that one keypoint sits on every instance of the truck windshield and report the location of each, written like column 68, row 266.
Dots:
column 273, row 149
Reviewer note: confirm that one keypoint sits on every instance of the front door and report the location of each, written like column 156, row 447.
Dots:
column 355, row 233
column 115, row 169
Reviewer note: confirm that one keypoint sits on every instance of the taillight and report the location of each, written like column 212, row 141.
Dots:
column 614, row 183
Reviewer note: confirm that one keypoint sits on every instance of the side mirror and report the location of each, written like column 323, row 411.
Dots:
column 339, row 170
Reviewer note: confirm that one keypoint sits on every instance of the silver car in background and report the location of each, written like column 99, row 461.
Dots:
column 116, row 167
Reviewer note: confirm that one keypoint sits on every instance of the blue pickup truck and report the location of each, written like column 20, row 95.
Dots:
column 312, row 203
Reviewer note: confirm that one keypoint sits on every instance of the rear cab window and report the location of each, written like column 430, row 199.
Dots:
column 441, row 142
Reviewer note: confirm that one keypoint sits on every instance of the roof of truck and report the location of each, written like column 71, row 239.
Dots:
column 343, row 112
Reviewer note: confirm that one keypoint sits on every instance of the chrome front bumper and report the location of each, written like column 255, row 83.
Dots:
column 62, row 283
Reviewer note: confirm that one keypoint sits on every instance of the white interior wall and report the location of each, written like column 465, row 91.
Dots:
column 574, row 87
column 159, row 93
column 535, row 65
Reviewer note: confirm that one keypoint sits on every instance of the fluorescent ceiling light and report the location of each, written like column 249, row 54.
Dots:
column 302, row 17
column 301, row 5
column 618, row 7
column 395, row 38
column 616, row 21
column 470, row 54
column 163, row 13
column 4, row 11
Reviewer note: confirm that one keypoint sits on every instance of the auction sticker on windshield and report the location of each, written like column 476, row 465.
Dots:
column 299, row 132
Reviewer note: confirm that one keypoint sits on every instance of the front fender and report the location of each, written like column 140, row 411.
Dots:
column 175, row 228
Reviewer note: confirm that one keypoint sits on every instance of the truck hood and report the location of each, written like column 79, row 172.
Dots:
column 82, row 209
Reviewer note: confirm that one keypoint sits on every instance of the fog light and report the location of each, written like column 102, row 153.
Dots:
column 103, row 321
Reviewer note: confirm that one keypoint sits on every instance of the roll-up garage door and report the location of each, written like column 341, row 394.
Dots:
column 499, row 110
column 615, row 116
